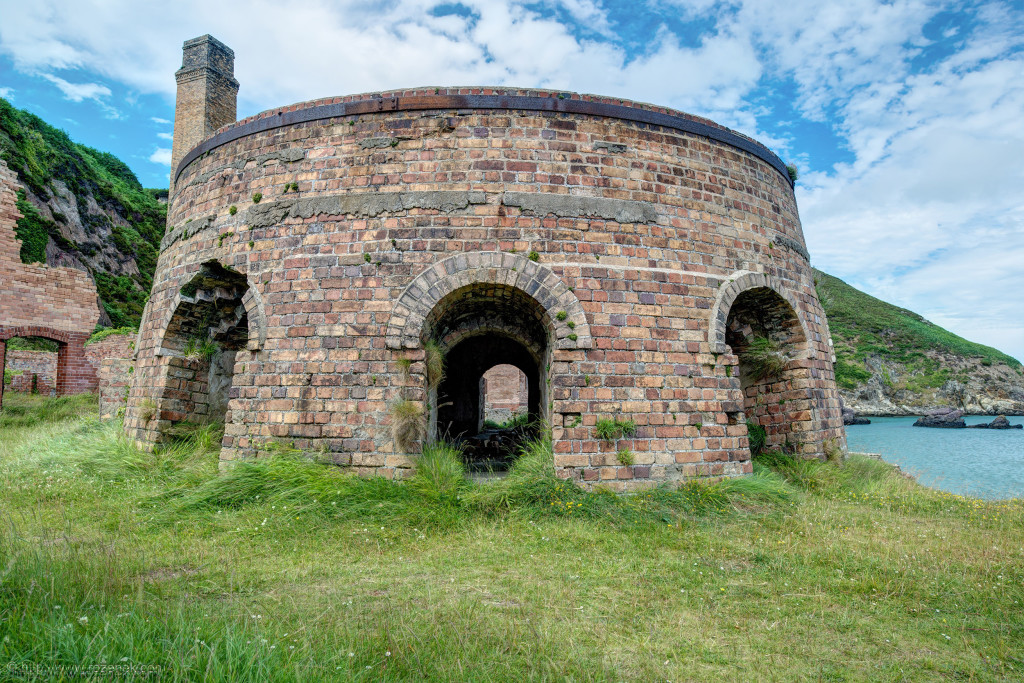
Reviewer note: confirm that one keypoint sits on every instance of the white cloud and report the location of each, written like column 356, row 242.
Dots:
column 157, row 119
column 6, row 92
column 76, row 92
column 165, row 136
column 161, row 156
column 930, row 215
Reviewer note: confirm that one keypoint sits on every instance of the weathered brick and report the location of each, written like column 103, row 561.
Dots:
column 387, row 245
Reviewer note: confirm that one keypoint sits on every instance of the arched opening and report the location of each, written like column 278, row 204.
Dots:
column 72, row 373
column 763, row 330
column 208, row 328
column 505, row 396
column 478, row 327
column 30, row 365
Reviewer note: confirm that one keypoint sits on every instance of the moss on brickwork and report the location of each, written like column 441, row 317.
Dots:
column 41, row 154
column 33, row 230
column 102, row 334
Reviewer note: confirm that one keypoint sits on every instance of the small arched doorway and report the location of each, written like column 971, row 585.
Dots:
column 764, row 332
column 30, row 366
column 208, row 328
column 476, row 328
column 73, row 374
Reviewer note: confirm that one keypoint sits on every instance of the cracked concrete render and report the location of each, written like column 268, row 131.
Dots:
column 376, row 203
column 569, row 206
column 288, row 156
column 361, row 204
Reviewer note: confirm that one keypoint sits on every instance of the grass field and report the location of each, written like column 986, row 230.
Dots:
column 289, row 570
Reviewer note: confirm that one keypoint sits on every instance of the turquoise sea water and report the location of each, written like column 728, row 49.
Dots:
column 979, row 462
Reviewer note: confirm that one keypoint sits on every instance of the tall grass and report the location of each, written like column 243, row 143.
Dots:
column 26, row 410
column 282, row 568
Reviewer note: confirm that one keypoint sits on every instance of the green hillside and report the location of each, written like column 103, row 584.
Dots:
column 41, row 154
column 863, row 326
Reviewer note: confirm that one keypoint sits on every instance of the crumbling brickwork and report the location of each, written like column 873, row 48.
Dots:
column 32, row 371
column 112, row 357
column 38, row 301
column 324, row 253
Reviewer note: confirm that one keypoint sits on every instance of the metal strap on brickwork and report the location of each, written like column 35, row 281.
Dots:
column 485, row 102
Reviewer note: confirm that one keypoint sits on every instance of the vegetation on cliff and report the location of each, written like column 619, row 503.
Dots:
column 116, row 226
column 912, row 356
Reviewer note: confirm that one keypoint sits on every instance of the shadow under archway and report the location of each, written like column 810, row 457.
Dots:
column 478, row 327
column 205, row 332
column 763, row 330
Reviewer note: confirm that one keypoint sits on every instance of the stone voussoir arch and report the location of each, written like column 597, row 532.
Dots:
column 487, row 267
column 734, row 285
column 252, row 302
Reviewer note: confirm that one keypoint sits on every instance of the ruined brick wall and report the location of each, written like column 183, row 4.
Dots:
column 113, row 360
column 115, row 376
column 36, row 300
column 607, row 249
column 111, row 346
column 41, row 364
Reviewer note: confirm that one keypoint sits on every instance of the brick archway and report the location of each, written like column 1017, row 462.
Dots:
column 252, row 304
column 740, row 282
column 488, row 267
column 75, row 375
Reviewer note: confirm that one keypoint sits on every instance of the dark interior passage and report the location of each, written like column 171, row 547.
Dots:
column 460, row 407
column 764, row 332
column 481, row 326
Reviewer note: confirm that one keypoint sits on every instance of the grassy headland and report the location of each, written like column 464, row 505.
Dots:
column 285, row 569
column 864, row 326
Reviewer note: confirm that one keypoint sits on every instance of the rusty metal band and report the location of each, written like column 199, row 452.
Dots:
column 484, row 102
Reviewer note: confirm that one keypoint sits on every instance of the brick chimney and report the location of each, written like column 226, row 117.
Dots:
column 207, row 95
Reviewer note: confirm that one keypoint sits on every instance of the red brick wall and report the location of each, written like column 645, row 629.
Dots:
column 42, row 364
column 113, row 359
column 55, row 303
column 628, row 237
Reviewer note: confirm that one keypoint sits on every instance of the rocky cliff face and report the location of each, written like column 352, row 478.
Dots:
column 977, row 389
column 83, row 209
column 891, row 361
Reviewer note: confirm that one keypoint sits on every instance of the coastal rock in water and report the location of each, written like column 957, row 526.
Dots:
column 850, row 417
column 999, row 423
column 946, row 418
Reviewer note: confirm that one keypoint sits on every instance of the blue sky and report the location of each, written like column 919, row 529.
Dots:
column 905, row 117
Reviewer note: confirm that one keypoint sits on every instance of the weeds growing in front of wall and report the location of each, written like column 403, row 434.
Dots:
column 433, row 358
column 281, row 568
column 764, row 358
column 200, row 349
column 407, row 423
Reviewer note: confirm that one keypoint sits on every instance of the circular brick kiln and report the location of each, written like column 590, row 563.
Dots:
column 319, row 259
